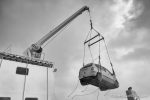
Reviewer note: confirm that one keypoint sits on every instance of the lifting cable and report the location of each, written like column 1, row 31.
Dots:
column 90, row 50
column 99, row 58
column 84, row 47
column 89, row 44
column 89, row 34
column 109, row 58
column 102, row 38
column 91, row 24
column 24, row 85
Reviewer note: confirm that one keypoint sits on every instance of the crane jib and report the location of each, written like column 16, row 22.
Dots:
column 35, row 50
column 60, row 26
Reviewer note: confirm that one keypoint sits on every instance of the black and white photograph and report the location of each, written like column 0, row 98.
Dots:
column 74, row 49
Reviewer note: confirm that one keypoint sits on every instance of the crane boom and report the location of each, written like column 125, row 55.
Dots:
column 35, row 50
column 60, row 26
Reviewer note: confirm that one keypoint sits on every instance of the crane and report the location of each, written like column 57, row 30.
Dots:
column 35, row 50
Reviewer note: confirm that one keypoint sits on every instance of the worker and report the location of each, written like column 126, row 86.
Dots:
column 131, row 94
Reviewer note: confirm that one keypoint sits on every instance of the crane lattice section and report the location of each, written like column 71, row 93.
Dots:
column 23, row 59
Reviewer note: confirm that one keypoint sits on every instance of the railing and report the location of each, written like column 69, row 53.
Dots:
column 23, row 59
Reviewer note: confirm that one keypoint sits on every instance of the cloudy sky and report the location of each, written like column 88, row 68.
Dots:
column 125, row 25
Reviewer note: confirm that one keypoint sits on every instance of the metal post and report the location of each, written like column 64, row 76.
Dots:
column 47, row 84
column 1, row 62
column 24, row 85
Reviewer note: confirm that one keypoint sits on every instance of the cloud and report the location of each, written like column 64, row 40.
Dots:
column 138, row 54
column 126, row 10
column 131, row 39
column 125, row 26
column 129, row 44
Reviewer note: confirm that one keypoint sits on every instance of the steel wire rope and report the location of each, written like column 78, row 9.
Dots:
column 24, row 84
column 99, row 58
column 91, row 24
column 109, row 57
column 106, row 50
column 84, row 46
column 105, row 46
column 99, row 62
column 90, row 19
column 90, row 49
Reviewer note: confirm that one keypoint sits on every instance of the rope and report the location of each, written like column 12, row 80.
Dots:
column 74, row 89
column 91, row 24
column 84, row 55
column 106, row 50
column 85, row 89
column 90, row 49
column 109, row 57
column 99, row 70
column 91, row 54
column 24, row 85
column 8, row 48
column 106, row 92
column 97, row 95
column 84, row 47
column 86, row 93
column 121, row 96
column 99, row 62
column 90, row 19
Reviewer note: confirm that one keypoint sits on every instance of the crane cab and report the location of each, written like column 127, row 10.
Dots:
column 98, row 76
